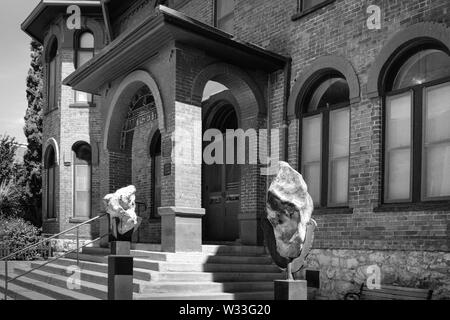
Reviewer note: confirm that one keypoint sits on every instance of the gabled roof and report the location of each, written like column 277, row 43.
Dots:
column 38, row 20
column 140, row 43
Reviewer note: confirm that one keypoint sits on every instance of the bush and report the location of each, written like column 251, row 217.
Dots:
column 10, row 200
column 16, row 234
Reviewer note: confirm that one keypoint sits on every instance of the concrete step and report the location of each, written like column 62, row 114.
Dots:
column 30, row 287
column 56, row 286
column 189, row 288
column 210, row 296
column 216, row 249
column 162, row 266
column 147, row 275
column 88, row 276
column 200, row 267
column 216, row 276
column 139, row 274
column 188, row 257
column 18, row 292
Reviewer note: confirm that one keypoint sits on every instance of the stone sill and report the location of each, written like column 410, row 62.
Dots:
column 78, row 220
column 330, row 211
column 82, row 105
column 311, row 10
column 408, row 207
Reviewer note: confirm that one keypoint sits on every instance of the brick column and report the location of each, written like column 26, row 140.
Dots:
column 181, row 214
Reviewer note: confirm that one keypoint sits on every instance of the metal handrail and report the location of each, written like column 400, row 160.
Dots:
column 77, row 228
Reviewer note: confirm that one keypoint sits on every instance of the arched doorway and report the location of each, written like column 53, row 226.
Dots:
column 221, row 182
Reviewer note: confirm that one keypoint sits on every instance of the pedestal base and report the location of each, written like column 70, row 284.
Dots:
column 120, row 278
column 291, row 290
column 181, row 229
column 120, row 248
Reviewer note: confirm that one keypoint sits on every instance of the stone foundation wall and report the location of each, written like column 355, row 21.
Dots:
column 342, row 271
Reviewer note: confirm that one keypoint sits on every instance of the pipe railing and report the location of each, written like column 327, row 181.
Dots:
column 77, row 228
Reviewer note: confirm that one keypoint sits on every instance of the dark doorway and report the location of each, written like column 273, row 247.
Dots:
column 221, row 183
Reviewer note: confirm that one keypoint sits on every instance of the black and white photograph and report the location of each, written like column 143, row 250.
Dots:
column 245, row 152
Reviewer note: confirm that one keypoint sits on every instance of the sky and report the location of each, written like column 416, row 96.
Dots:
column 14, row 64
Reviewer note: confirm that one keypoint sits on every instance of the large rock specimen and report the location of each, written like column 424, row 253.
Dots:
column 289, row 228
column 121, row 207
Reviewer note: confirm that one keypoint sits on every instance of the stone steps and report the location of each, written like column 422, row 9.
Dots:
column 188, row 257
column 30, row 288
column 233, row 274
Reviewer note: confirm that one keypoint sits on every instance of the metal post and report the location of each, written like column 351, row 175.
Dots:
column 78, row 247
column 6, row 279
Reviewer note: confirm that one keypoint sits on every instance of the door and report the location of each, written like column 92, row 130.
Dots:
column 221, row 190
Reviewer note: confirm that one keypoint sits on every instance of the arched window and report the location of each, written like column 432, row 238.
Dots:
column 417, row 131
column 82, row 180
column 84, row 51
column 52, row 74
column 155, row 154
column 325, row 141
column 50, row 167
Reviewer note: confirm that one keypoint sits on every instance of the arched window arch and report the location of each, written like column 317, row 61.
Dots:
column 82, row 172
column 52, row 73
column 84, row 51
column 50, row 168
column 155, row 155
column 325, row 140
column 417, row 132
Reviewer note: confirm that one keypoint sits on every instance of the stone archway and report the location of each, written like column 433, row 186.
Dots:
column 249, row 104
column 136, row 111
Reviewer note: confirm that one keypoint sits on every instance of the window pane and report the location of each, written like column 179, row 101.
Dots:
column 82, row 190
column 224, row 7
column 398, row 147
column 437, row 141
column 311, row 174
column 226, row 24
column 339, row 154
column 87, row 40
column 311, row 155
column 437, row 171
column 83, row 57
column 83, row 96
column 312, row 139
column 51, row 193
column 423, row 67
column 339, row 181
column 399, row 174
column 311, row 3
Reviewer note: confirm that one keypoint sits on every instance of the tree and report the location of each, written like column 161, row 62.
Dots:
column 33, row 131
column 8, row 149
column 10, row 198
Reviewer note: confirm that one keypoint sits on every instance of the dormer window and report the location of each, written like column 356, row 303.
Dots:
column 224, row 15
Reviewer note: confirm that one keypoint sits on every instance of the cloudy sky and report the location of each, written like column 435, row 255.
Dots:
column 14, row 64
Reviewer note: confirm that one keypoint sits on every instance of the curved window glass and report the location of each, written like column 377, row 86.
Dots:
column 52, row 75
column 84, row 52
column 325, row 142
column 417, row 137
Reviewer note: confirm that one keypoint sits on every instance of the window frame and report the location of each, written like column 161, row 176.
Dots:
column 74, row 171
column 325, row 203
column 417, row 143
column 303, row 12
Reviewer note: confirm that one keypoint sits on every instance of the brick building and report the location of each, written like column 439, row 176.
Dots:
column 358, row 89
